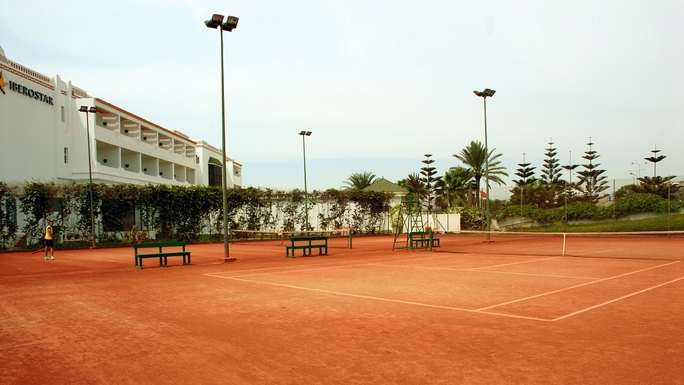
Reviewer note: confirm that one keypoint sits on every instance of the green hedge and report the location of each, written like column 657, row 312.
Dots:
column 180, row 212
column 631, row 204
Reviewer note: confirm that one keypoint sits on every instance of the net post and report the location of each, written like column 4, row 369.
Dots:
column 563, row 244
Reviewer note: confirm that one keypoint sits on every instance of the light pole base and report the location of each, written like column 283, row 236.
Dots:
column 227, row 259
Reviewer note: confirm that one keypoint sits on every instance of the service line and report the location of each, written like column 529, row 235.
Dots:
column 576, row 286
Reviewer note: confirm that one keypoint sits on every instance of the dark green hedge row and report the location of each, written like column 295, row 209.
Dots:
column 179, row 212
column 631, row 204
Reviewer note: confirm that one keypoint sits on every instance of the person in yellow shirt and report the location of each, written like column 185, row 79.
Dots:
column 49, row 241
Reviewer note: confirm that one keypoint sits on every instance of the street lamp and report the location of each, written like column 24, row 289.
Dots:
column 306, row 202
column 91, row 110
column 484, row 95
column 570, row 167
column 230, row 24
column 638, row 174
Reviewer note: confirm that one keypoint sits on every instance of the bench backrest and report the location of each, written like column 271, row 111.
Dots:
column 311, row 238
column 421, row 234
column 137, row 246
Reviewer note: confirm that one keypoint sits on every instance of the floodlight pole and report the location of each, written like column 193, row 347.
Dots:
column 304, row 134
column 91, row 110
column 569, row 167
column 484, row 95
column 230, row 24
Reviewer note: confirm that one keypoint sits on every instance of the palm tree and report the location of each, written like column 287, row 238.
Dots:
column 475, row 157
column 453, row 187
column 359, row 181
column 657, row 185
column 416, row 187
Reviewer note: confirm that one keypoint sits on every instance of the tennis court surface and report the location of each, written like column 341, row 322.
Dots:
column 514, row 311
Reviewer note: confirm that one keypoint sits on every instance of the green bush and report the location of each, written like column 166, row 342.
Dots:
column 180, row 212
column 631, row 204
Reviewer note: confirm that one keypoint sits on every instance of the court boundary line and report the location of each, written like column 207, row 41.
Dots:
column 578, row 285
column 327, row 265
column 478, row 270
column 338, row 293
column 482, row 310
column 617, row 299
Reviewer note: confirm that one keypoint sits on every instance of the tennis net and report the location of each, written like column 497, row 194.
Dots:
column 643, row 245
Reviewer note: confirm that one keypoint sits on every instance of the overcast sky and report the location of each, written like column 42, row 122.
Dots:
column 379, row 83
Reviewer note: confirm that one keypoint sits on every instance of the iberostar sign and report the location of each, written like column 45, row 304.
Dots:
column 3, row 83
column 23, row 90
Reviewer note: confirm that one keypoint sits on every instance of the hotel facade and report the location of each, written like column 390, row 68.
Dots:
column 46, row 135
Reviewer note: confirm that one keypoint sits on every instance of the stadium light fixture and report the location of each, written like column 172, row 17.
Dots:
column 91, row 110
column 486, row 93
column 304, row 134
column 229, row 25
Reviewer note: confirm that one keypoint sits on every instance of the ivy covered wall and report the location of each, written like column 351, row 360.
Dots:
column 176, row 212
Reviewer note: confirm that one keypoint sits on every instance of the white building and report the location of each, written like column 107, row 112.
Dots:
column 44, row 137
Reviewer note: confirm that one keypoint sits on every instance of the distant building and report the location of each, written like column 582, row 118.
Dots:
column 44, row 137
column 383, row 185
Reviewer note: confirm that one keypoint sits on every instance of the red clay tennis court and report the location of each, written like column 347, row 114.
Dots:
column 470, row 312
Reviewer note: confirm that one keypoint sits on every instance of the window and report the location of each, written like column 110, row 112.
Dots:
column 62, row 114
column 66, row 155
column 215, row 175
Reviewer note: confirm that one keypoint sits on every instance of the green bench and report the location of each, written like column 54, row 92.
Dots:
column 160, row 253
column 421, row 239
column 307, row 243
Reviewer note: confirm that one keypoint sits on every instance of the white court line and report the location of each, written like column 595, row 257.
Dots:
column 476, row 270
column 384, row 299
column 90, row 258
column 340, row 264
column 514, row 263
column 576, row 286
column 325, row 265
column 617, row 299
column 477, row 311
column 599, row 251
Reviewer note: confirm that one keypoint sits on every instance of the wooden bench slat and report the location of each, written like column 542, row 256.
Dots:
column 309, row 244
column 423, row 239
column 162, row 255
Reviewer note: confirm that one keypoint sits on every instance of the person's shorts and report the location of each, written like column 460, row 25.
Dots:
column 49, row 243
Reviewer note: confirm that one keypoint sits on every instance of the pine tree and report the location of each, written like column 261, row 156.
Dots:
column 525, row 172
column 551, row 172
column 429, row 179
column 552, row 184
column 655, row 159
column 523, row 191
column 591, row 183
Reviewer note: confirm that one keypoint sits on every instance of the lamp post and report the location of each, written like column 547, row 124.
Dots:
column 230, row 24
column 304, row 134
column 484, row 95
column 91, row 110
column 638, row 164
column 568, row 167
